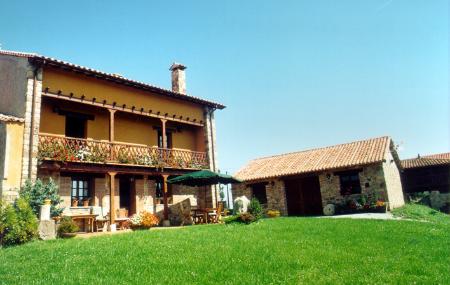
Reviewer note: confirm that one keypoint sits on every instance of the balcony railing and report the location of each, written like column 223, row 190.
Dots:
column 60, row 148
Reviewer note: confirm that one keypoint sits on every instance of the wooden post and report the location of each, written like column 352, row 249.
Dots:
column 166, row 206
column 112, row 184
column 164, row 136
column 111, row 124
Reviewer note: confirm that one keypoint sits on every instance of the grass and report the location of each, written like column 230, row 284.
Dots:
column 421, row 213
column 272, row 251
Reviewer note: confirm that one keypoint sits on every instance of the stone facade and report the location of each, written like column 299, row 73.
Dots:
column 393, row 182
column 372, row 184
column 275, row 192
column 381, row 181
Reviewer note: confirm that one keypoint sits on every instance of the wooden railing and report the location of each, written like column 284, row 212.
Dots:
column 60, row 148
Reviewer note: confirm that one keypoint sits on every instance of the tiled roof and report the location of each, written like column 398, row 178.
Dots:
column 8, row 118
column 333, row 157
column 427, row 160
column 111, row 77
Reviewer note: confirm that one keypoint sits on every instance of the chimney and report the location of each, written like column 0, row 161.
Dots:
column 178, row 78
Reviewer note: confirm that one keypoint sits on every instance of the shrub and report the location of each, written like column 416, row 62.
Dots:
column 247, row 218
column 18, row 223
column 273, row 213
column 244, row 218
column 36, row 194
column 67, row 225
column 144, row 220
column 255, row 208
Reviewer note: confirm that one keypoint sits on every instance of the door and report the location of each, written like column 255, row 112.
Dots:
column 303, row 196
column 127, row 193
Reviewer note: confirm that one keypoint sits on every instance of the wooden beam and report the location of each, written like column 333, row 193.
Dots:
column 111, row 124
column 122, row 109
column 164, row 136
column 166, row 206
column 112, row 184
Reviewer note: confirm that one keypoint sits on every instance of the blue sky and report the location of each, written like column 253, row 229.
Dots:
column 293, row 74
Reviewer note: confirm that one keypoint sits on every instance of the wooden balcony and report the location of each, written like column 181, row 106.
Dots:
column 60, row 148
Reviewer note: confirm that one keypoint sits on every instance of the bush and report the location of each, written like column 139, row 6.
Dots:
column 273, row 213
column 143, row 220
column 18, row 223
column 247, row 218
column 67, row 226
column 36, row 194
column 255, row 208
column 244, row 218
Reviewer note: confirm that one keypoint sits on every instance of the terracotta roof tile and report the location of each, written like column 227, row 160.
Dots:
column 112, row 76
column 427, row 160
column 8, row 118
column 314, row 160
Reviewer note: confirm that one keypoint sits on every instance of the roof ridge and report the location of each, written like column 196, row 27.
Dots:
column 319, row 148
column 429, row 156
column 114, row 75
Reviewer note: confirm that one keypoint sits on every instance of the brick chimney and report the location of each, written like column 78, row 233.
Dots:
column 178, row 78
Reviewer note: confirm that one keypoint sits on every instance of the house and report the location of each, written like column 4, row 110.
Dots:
column 302, row 183
column 105, row 139
column 428, row 175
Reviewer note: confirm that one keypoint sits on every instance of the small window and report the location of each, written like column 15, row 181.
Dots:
column 80, row 190
column 350, row 183
column 259, row 192
column 75, row 127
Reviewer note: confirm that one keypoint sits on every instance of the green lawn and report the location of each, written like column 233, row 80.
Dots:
column 273, row 251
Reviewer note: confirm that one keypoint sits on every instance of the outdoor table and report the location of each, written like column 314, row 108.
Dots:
column 204, row 212
column 90, row 218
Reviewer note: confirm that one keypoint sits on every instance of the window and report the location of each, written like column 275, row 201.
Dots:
column 160, row 191
column 349, row 182
column 168, row 138
column 75, row 127
column 80, row 189
column 259, row 192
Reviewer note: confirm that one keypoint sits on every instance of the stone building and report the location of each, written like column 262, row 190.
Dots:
column 428, row 174
column 106, row 140
column 302, row 183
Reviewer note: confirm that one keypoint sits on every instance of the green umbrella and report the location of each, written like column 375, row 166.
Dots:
column 203, row 178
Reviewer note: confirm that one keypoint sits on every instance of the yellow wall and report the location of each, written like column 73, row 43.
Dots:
column 13, row 156
column 101, row 90
column 129, row 128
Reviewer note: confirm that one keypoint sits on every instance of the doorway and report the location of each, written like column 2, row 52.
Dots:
column 127, row 194
column 303, row 196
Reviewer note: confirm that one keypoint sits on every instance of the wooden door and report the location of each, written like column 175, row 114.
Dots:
column 303, row 196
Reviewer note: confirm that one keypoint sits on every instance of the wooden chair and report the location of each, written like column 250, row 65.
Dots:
column 214, row 216
column 101, row 221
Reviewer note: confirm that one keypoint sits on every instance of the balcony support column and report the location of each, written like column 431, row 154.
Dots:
column 163, row 131
column 166, row 221
column 111, row 124
column 112, row 214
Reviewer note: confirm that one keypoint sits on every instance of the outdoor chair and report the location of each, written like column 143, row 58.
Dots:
column 101, row 221
column 215, row 215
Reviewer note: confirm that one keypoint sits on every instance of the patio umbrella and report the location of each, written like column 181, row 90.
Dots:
column 203, row 178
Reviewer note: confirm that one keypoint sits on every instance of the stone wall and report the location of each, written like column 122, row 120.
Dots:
column 276, row 194
column 393, row 182
column 371, row 180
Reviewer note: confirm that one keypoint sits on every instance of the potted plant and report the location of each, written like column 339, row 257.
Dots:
column 86, row 202
column 74, row 202
column 67, row 228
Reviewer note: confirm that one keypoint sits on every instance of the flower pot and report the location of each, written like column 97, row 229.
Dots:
column 85, row 203
column 75, row 203
column 56, row 219
column 47, row 202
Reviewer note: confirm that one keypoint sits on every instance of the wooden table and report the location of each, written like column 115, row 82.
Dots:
column 90, row 218
column 204, row 212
